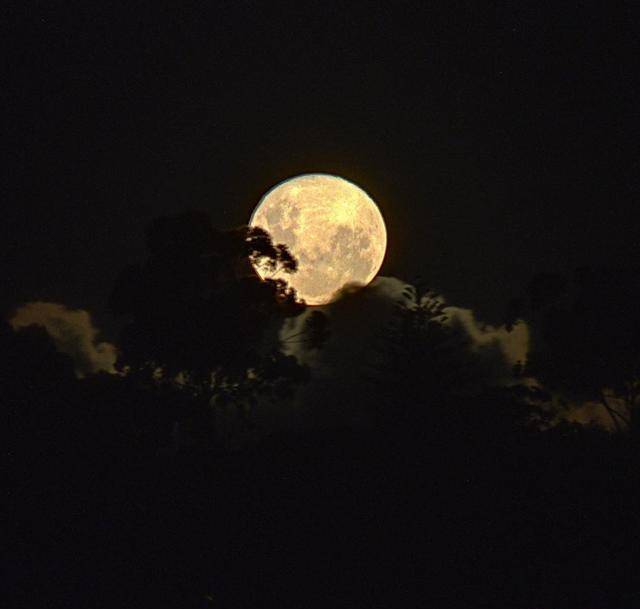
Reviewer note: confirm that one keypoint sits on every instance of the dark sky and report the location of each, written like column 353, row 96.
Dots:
column 497, row 142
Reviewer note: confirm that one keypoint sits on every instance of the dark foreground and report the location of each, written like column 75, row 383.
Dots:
column 333, row 519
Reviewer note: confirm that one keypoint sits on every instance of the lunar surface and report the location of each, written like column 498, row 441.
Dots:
column 331, row 226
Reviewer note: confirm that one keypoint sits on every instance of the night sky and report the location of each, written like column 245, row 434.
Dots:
column 177, row 433
column 497, row 142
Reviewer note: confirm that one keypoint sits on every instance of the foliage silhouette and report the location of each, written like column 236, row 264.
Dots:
column 314, row 333
column 457, row 495
column 197, row 309
column 586, row 337
column 428, row 374
column 465, row 500
column 34, row 380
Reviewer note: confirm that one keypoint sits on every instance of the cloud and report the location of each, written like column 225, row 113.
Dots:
column 587, row 413
column 500, row 348
column 359, row 315
column 342, row 385
column 358, row 320
column 73, row 333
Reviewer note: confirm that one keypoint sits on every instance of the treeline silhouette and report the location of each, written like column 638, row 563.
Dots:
column 458, row 494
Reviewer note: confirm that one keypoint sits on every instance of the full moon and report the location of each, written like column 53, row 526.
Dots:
column 331, row 226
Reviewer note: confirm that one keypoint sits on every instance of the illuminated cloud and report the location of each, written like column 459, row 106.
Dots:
column 73, row 333
column 358, row 315
column 513, row 345
column 358, row 320
column 587, row 413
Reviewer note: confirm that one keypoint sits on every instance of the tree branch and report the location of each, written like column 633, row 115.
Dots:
column 613, row 413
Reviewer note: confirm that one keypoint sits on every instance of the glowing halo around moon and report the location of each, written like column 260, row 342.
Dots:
column 332, row 227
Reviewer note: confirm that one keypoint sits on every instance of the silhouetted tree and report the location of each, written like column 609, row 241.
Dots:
column 198, row 311
column 586, row 336
column 35, row 382
column 314, row 333
column 427, row 368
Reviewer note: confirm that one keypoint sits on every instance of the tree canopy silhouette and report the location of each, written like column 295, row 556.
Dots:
column 585, row 335
column 428, row 370
column 196, row 307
